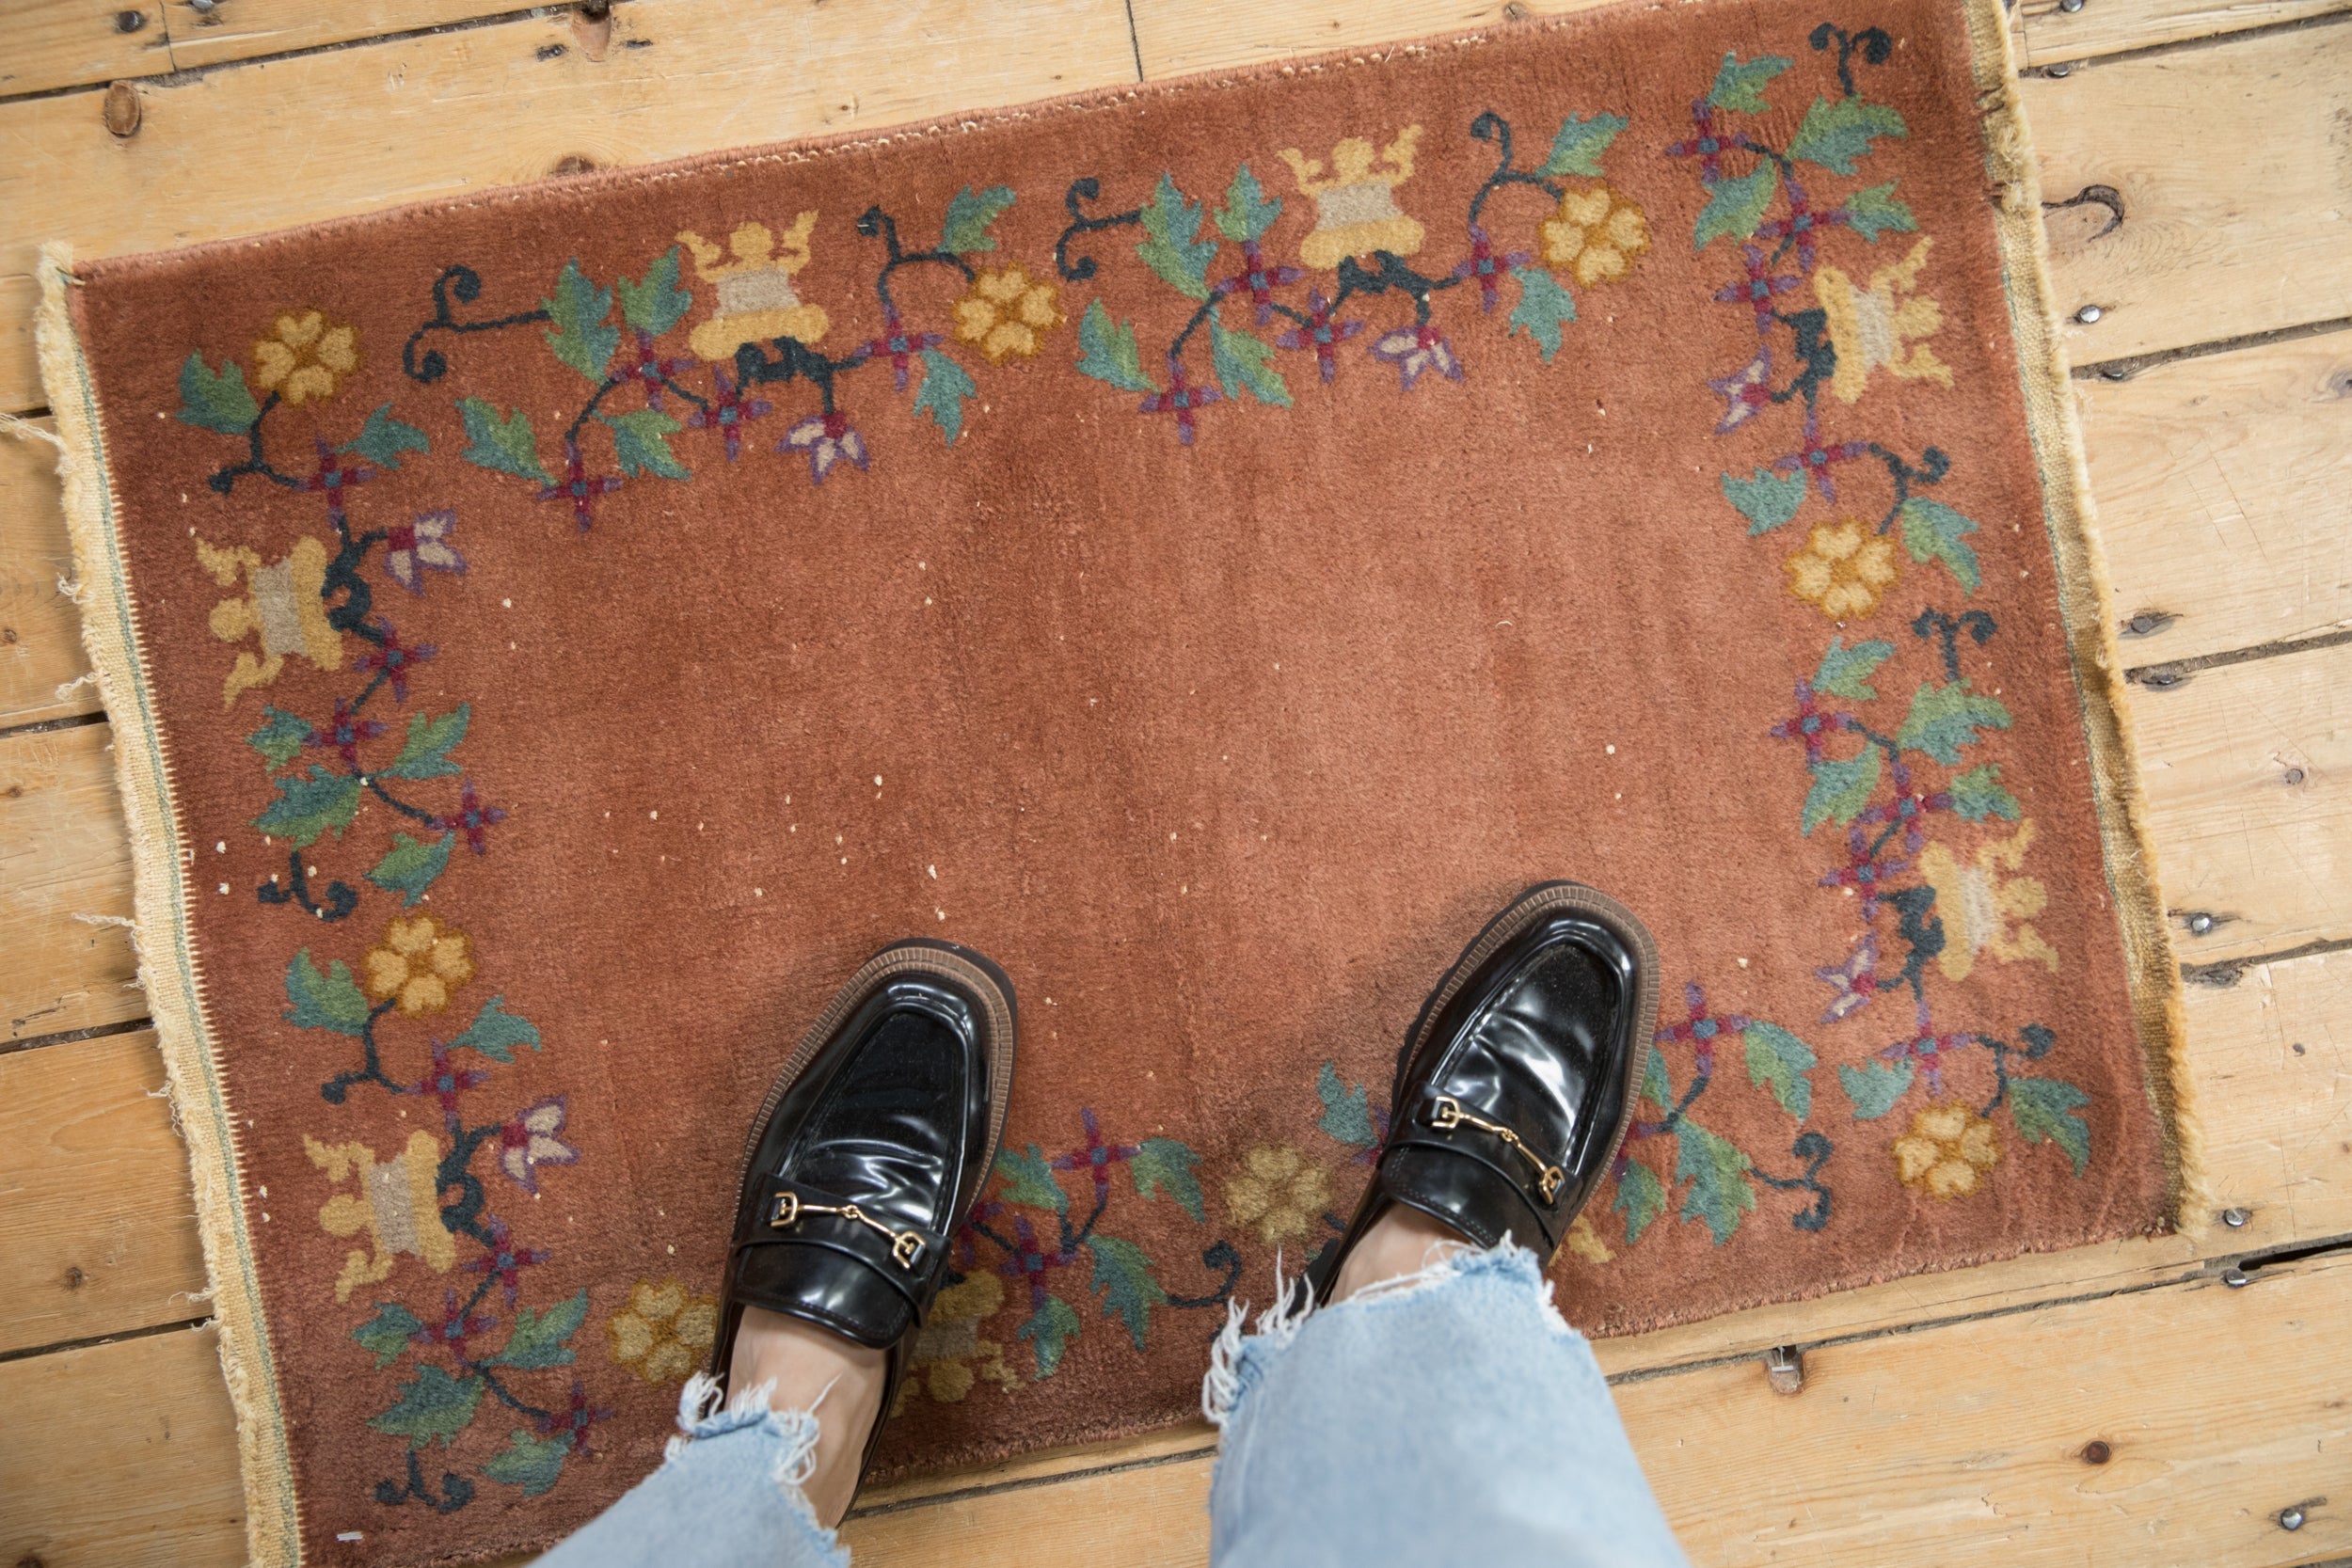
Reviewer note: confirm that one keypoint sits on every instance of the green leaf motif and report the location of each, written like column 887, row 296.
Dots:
column 1542, row 309
column 495, row 1032
column 1779, row 1061
column 281, row 736
column 1874, row 1086
column 388, row 1334
column 424, row 754
column 411, row 866
column 1736, row 207
column 968, row 217
column 1109, row 351
column 1050, row 1329
column 1346, row 1111
column 1874, row 211
column 641, row 439
column 1943, row 718
column 1641, row 1198
column 1840, row 789
column 579, row 334
column 944, row 387
column 1656, row 1087
column 1581, row 142
column 434, row 1406
column 330, row 1001
column 1244, row 361
column 1122, row 1277
column 1739, row 84
column 1164, row 1164
column 2045, row 1109
column 216, row 402
column 534, row 1464
column 503, row 445
column 657, row 304
column 1933, row 531
column 309, row 804
column 1978, row 794
column 1846, row 671
column 382, row 438
column 1247, row 213
column 1171, row 224
column 1835, row 133
column 1717, row 1171
column 538, row 1337
column 1768, row 501
column 1028, row 1179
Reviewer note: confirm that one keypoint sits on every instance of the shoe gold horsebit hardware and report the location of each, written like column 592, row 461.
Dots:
column 905, row 1245
column 1448, row 1114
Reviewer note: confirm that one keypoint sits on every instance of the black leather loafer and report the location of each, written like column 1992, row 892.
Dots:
column 1516, row 1085
column 870, row 1148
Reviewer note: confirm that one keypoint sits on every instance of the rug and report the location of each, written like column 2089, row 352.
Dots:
column 1204, row 546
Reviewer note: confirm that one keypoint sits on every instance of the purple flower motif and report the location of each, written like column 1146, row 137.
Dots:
column 727, row 411
column 1416, row 348
column 471, row 817
column 391, row 659
column 413, row 549
column 1855, row 980
column 1487, row 265
column 828, row 440
column 1746, row 392
column 529, row 1141
column 1321, row 333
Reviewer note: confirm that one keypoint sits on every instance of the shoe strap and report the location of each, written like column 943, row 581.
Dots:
column 1444, row 1113
column 795, row 1211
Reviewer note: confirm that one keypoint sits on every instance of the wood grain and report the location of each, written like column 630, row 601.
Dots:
column 57, row 43
column 2111, row 26
column 64, row 852
column 40, row 631
column 242, row 29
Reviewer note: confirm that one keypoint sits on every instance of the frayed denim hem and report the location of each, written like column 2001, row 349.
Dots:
column 702, row 1415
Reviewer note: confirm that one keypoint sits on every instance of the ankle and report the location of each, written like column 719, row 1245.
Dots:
column 814, row 1368
column 1401, row 1242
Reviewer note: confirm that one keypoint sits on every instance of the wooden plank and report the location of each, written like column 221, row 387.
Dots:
column 2228, row 229
column 64, row 852
column 2111, row 26
column 2247, row 769
column 40, row 631
column 241, row 29
column 100, row 1232
column 2274, row 1082
column 20, row 378
column 2222, row 494
column 57, row 43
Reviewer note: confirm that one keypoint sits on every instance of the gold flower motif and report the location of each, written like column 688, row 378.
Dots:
column 1947, row 1145
column 1984, row 910
column 306, row 356
column 419, row 962
column 1006, row 313
column 1874, row 326
column 1843, row 569
column 1598, row 233
column 1279, row 1192
column 950, row 1354
column 664, row 1332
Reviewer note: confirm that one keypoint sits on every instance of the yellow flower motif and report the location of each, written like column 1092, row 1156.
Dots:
column 1585, row 1242
column 757, row 300
column 1947, row 1147
column 419, row 962
column 949, row 1354
column 1597, row 231
column 280, row 605
column 396, row 1201
column 1872, row 327
column 1356, row 210
column 1844, row 568
column 306, row 357
column 664, row 1332
column 1982, row 909
column 1006, row 312
column 1279, row 1193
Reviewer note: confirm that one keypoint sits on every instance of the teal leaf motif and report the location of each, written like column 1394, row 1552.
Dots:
column 1029, row 1179
column 1840, row 789
column 1247, row 213
column 1717, row 1171
column 1736, row 207
column 657, row 304
column 411, row 866
column 424, row 754
column 968, row 217
column 505, row 445
column 1109, row 351
column 1122, row 1277
column 434, row 1405
column 1050, row 1329
column 944, row 387
column 495, row 1032
column 1170, row 250
column 1581, row 142
column 1739, row 84
column 1543, row 308
column 1768, row 500
column 330, row 1001
column 1874, row 211
column 1874, row 1086
column 1167, row 1164
column 1346, row 1111
column 1846, row 671
column 641, row 439
column 1978, row 794
column 281, row 736
column 538, row 1338
column 1656, row 1087
column 534, row 1464
column 579, row 335
column 216, row 402
column 1779, row 1061
column 1243, row 360
column 1641, row 1198
column 388, row 1334
column 1933, row 531
column 1943, row 718
column 309, row 804
column 2045, row 1109
column 382, row 438
column 1835, row 133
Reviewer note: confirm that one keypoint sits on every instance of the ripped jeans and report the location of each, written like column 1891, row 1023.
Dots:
column 1447, row 1417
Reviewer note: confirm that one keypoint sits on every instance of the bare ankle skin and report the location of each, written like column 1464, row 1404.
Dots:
column 807, row 1363
column 1399, row 1242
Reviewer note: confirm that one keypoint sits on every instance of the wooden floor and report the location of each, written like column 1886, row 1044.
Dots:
column 2151, row 1402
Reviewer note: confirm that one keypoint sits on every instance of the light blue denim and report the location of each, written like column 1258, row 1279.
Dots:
column 1451, row 1418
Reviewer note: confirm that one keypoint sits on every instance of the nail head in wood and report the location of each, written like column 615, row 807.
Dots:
column 2096, row 1451
column 2088, row 314
column 2070, row 6
column 122, row 109
column 129, row 22
column 2292, row 775
column 2060, row 70
column 2235, row 1218
column 2236, row 1279
column 2291, row 1517
column 1784, row 1370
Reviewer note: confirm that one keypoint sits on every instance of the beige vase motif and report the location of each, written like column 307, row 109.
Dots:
column 756, row 299
column 1356, row 210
